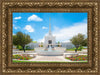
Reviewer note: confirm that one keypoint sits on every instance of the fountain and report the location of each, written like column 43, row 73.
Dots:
column 50, row 48
column 50, row 52
column 50, row 40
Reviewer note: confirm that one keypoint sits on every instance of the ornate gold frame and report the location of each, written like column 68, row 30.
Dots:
column 49, row 6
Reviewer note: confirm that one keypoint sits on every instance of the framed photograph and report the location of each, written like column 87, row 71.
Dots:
column 49, row 37
column 38, row 38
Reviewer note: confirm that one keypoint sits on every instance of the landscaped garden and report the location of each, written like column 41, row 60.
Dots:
column 78, row 58
column 79, row 49
column 27, row 48
column 21, row 57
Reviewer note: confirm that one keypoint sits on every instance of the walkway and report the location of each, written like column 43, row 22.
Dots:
column 49, row 58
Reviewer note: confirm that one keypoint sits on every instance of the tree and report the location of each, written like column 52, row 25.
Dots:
column 58, row 44
column 84, row 42
column 21, row 39
column 41, row 44
column 34, row 41
column 78, row 40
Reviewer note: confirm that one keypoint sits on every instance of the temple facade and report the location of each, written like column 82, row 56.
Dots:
column 49, row 39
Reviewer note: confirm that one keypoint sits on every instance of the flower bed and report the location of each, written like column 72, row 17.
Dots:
column 21, row 57
column 78, row 58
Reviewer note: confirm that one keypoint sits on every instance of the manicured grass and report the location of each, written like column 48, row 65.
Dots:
column 70, row 50
column 19, row 61
column 73, row 49
column 27, row 50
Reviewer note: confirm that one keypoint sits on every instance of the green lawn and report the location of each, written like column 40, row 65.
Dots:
column 72, row 50
column 27, row 50
column 19, row 61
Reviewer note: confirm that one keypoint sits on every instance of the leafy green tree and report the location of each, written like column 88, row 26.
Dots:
column 41, row 44
column 84, row 42
column 34, row 41
column 21, row 39
column 79, row 40
column 58, row 44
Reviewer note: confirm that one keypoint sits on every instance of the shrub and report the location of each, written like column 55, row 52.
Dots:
column 28, row 48
column 19, row 47
column 40, row 45
column 80, row 48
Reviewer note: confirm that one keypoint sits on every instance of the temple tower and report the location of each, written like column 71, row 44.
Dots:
column 49, row 39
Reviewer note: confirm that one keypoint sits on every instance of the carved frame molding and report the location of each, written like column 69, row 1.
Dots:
column 49, row 6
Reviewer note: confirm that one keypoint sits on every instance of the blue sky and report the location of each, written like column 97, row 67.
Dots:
column 63, row 25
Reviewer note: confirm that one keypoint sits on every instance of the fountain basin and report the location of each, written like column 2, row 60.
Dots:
column 50, row 53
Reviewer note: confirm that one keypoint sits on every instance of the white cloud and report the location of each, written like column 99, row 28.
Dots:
column 14, row 34
column 65, row 34
column 41, row 40
column 34, row 18
column 18, row 17
column 15, row 27
column 44, row 27
column 29, row 28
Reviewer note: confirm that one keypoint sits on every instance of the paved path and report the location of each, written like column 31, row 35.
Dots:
column 49, row 58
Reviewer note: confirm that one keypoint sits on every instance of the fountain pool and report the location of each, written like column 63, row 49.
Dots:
column 50, row 52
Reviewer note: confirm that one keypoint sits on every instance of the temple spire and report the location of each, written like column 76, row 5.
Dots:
column 49, row 26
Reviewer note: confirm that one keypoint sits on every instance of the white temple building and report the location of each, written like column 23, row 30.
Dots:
column 49, row 39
